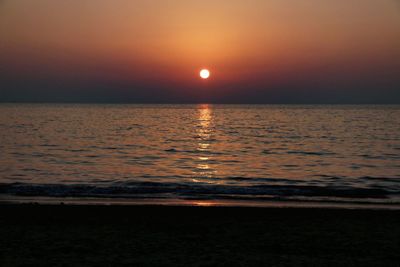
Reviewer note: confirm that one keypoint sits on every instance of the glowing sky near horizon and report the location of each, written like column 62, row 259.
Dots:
column 152, row 50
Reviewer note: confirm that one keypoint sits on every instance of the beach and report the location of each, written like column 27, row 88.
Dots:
column 101, row 235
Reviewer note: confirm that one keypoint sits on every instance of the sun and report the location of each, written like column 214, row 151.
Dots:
column 204, row 74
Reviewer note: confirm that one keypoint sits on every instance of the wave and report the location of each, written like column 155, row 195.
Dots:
column 195, row 191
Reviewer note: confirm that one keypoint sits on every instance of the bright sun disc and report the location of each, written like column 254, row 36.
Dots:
column 204, row 74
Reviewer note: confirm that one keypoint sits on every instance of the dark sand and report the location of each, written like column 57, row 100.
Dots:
column 56, row 235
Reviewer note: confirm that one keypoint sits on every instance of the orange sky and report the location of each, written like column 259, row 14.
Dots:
column 153, row 42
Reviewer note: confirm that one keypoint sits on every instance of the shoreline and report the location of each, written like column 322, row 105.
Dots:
column 166, row 202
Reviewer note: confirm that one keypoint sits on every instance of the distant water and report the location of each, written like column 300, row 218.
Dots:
column 242, row 154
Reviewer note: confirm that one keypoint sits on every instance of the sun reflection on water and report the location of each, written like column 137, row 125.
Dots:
column 203, row 204
column 204, row 130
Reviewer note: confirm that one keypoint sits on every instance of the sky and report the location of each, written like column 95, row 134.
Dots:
column 151, row 51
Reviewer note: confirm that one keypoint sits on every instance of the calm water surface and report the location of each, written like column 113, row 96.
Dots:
column 203, row 153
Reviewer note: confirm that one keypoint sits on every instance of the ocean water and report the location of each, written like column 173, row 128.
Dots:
column 201, row 154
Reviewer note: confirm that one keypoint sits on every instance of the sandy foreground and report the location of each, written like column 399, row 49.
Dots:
column 98, row 235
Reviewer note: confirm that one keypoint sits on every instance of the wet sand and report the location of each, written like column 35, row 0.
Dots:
column 79, row 235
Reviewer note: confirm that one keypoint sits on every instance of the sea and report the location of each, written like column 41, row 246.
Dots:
column 201, row 155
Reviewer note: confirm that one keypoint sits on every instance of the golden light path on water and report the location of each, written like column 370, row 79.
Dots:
column 204, row 135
